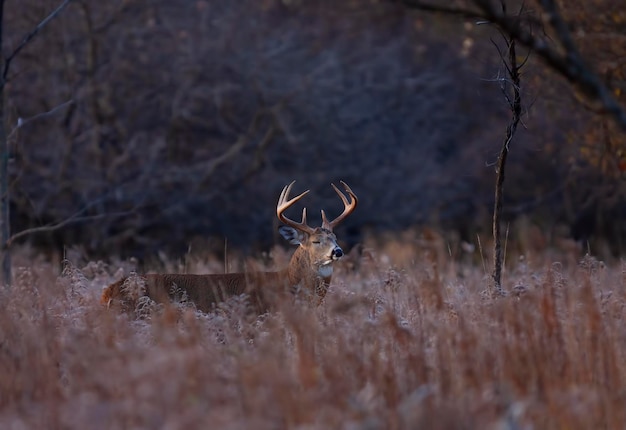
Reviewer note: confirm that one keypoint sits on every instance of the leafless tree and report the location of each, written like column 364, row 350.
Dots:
column 5, row 228
column 510, row 85
column 547, row 35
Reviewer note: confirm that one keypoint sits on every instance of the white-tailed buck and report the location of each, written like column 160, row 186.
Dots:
column 307, row 276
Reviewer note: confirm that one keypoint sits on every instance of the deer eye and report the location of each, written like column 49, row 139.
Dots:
column 317, row 242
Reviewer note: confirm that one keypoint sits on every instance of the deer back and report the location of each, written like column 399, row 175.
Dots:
column 205, row 291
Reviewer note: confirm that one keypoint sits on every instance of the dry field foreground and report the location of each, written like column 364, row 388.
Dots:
column 419, row 348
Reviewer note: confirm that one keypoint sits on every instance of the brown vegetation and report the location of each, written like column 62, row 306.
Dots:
column 393, row 347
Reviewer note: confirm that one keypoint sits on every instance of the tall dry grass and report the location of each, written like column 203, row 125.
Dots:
column 418, row 346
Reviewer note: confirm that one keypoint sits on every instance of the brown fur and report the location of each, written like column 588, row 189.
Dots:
column 202, row 290
column 265, row 289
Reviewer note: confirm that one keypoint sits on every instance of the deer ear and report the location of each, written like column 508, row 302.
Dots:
column 292, row 235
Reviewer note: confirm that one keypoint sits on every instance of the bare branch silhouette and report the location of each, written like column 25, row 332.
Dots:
column 5, row 228
column 563, row 56
column 71, row 220
column 27, row 39
column 21, row 122
column 515, row 104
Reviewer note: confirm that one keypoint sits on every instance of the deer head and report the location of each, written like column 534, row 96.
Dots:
column 311, row 264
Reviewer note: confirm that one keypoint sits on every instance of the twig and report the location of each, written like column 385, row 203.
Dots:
column 482, row 255
column 71, row 220
column 28, row 38
column 21, row 122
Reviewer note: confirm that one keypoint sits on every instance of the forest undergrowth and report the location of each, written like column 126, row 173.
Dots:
column 414, row 345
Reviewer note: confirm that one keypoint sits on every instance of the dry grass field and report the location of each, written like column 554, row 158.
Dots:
column 407, row 339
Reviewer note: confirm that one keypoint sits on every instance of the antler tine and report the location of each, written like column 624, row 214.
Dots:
column 349, row 206
column 284, row 204
column 304, row 216
column 285, row 191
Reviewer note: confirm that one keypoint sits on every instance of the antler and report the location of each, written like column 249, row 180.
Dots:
column 284, row 204
column 347, row 210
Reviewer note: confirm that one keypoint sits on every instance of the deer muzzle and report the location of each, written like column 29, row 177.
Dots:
column 337, row 253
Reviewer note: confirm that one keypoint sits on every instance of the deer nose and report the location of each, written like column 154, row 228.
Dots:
column 337, row 253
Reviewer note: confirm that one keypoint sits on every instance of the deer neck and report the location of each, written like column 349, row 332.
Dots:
column 305, row 273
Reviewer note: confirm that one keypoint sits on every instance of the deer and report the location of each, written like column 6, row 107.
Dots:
column 307, row 276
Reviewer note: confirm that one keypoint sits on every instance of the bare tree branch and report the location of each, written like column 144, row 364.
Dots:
column 21, row 122
column 447, row 9
column 565, row 59
column 74, row 219
column 28, row 38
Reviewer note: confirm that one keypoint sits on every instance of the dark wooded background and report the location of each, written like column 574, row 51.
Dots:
column 188, row 117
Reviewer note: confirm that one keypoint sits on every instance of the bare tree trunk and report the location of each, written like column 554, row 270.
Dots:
column 5, row 225
column 515, row 104
column 5, row 228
